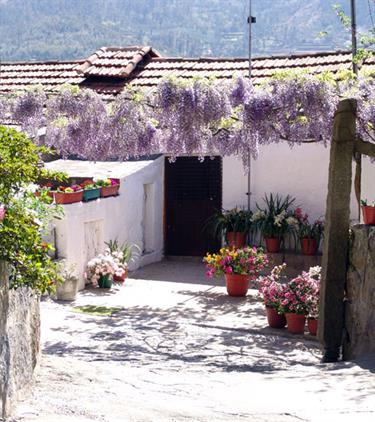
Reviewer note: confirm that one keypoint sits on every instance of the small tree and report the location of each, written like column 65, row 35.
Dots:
column 26, row 215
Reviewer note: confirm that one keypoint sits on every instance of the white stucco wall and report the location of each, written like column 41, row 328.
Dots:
column 368, row 179
column 301, row 172
column 81, row 234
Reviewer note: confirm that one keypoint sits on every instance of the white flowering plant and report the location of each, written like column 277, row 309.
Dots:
column 276, row 219
column 102, row 265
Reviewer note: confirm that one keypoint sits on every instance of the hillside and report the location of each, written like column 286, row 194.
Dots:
column 66, row 29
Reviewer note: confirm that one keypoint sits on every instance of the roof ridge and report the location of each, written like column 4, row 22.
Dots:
column 275, row 56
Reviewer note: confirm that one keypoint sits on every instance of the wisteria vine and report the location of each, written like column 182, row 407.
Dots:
column 196, row 116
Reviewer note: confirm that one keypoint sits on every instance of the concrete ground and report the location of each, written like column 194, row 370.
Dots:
column 179, row 349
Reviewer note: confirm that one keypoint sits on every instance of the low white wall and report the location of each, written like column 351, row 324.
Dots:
column 81, row 234
column 301, row 172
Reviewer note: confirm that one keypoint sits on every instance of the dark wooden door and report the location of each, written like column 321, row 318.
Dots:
column 193, row 194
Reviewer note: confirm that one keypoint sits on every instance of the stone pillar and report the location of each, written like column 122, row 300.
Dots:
column 360, row 291
column 19, row 341
column 331, row 312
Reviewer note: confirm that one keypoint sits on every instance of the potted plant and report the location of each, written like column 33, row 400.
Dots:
column 233, row 224
column 68, row 194
column 110, row 187
column 67, row 290
column 91, row 190
column 310, row 234
column 275, row 220
column 101, row 269
column 296, row 301
column 45, row 189
column 271, row 291
column 368, row 212
column 312, row 319
column 239, row 266
column 124, row 254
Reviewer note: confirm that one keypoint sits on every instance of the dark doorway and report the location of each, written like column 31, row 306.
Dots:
column 193, row 193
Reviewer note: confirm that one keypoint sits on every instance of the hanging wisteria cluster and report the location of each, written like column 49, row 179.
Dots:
column 199, row 117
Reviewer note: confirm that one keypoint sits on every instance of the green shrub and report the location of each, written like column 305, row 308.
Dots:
column 26, row 216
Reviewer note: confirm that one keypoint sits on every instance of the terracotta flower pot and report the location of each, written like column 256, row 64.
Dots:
column 368, row 215
column 275, row 320
column 236, row 239
column 296, row 323
column 121, row 278
column 312, row 325
column 105, row 282
column 110, row 190
column 237, row 284
column 272, row 244
column 308, row 246
column 68, row 197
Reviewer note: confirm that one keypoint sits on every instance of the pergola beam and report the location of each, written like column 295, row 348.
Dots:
column 365, row 148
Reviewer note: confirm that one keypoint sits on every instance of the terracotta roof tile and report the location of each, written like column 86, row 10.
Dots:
column 116, row 61
column 109, row 69
column 18, row 76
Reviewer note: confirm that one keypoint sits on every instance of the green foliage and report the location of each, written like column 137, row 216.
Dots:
column 276, row 219
column 128, row 252
column 366, row 39
column 234, row 220
column 68, row 29
column 26, row 216
column 97, row 310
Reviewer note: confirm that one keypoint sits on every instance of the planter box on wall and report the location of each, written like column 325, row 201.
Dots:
column 63, row 198
column 110, row 190
column 91, row 194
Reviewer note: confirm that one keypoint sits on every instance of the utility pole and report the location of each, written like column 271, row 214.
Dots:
column 250, row 20
column 353, row 13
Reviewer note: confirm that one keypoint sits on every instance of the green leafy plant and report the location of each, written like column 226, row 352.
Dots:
column 124, row 252
column 90, row 184
column 276, row 219
column 234, row 220
column 306, row 229
column 27, row 216
column 365, row 203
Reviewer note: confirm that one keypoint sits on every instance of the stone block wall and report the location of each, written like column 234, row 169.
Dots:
column 360, row 304
column 19, row 341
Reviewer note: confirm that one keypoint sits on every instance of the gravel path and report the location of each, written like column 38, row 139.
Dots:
column 180, row 349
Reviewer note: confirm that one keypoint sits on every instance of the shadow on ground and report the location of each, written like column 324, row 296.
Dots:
column 189, row 271
column 152, row 336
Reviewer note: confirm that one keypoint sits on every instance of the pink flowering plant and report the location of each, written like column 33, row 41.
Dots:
column 301, row 295
column 271, row 288
column 306, row 229
column 107, row 182
column 247, row 261
column 102, row 265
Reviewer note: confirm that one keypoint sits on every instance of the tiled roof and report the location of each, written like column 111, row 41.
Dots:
column 18, row 76
column 118, row 62
column 225, row 68
column 111, row 68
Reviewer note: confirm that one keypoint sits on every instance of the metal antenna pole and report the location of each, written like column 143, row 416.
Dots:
column 250, row 21
column 354, row 34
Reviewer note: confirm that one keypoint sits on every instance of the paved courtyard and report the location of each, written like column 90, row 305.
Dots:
column 177, row 348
